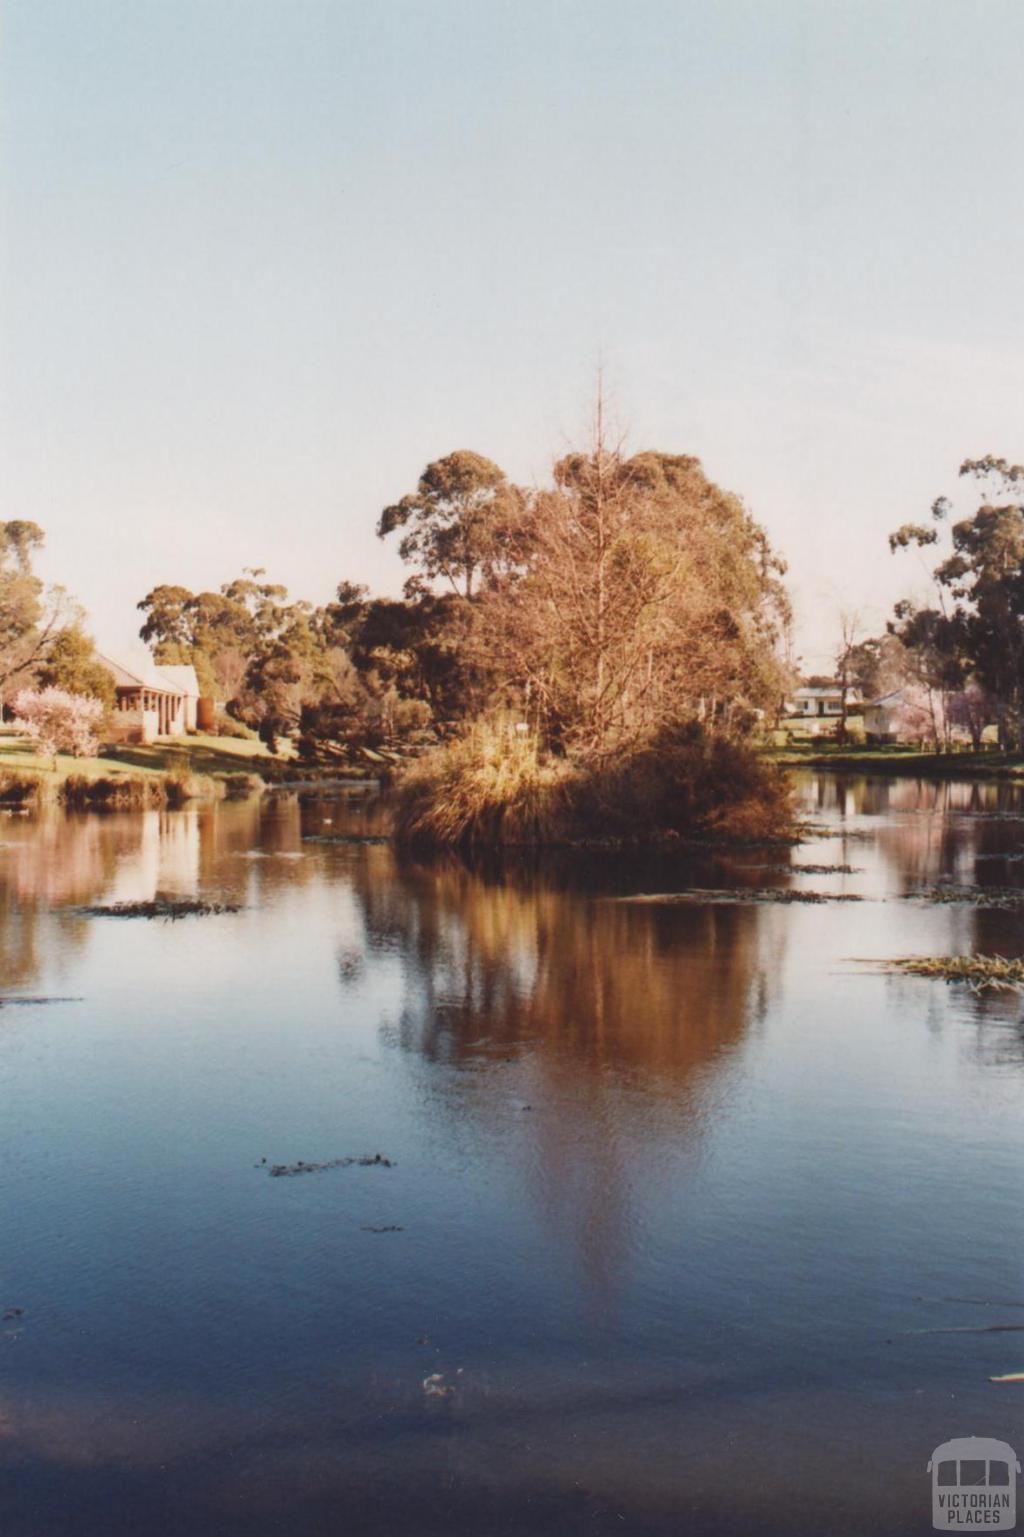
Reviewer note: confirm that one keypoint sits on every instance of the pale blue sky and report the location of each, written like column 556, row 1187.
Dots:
column 264, row 258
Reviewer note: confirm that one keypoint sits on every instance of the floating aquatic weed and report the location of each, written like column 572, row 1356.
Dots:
column 739, row 895
column 826, row 869
column 367, row 1161
column 1009, row 898
column 806, row 869
column 978, row 972
column 160, row 907
column 971, row 1329
column 9, row 1002
column 435, row 1386
column 354, row 838
column 984, row 816
column 811, row 830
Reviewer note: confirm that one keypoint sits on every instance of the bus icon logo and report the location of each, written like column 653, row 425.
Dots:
column 974, row 1484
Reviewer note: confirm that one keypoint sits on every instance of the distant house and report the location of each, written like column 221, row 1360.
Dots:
column 904, row 715
column 152, row 700
column 820, row 703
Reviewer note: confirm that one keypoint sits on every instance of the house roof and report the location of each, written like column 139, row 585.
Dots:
column 145, row 673
column 181, row 679
column 894, row 697
column 816, row 691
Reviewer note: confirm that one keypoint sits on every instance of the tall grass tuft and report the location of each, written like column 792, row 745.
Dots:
column 491, row 788
column 238, row 787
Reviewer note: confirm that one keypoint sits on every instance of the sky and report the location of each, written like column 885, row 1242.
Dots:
column 262, row 260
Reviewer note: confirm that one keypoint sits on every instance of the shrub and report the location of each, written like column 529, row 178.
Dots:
column 496, row 788
column 59, row 722
column 685, row 781
column 180, row 785
column 20, row 789
column 229, row 727
column 238, row 787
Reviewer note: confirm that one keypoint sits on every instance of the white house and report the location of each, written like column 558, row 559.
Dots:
column 904, row 715
column 820, row 703
column 152, row 700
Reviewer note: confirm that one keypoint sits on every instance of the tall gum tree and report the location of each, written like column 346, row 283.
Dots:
column 977, row 627
column 458, row 526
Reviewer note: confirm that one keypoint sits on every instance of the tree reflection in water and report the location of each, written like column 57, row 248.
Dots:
column 546, row 994
column 54, row 862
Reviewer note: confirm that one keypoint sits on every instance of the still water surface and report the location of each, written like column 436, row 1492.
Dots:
column 678, row 1191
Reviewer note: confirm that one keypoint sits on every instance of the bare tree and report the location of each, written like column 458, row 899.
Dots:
column 851, row 635
column 650, row 597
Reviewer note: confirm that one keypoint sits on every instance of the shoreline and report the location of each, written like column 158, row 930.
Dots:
column 899, row 762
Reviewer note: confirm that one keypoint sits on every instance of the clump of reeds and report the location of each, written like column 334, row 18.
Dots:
column 979, row 972
column 684, row 782
column 161, row 907
column 238, row 786
column 497, row 787
column 21, row 789
column 114, row 792
column 180, row 786
column 490, row 788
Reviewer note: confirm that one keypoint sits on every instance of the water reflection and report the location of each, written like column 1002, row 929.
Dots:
column 498, row 966
column 918, row 834
column 619, row 1017
column 669, row 1181
column 57, row 862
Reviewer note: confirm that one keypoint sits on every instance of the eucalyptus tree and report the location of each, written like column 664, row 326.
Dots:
column 976, row 630
column 460, row 526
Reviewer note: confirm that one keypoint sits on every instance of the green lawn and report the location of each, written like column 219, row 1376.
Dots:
column 896, row 759
column 190, row 755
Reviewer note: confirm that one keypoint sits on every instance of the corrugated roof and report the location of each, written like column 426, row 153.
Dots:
column 180, row 678
column 145, row 673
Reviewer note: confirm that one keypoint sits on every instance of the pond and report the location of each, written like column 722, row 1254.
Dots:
column 685, row 1215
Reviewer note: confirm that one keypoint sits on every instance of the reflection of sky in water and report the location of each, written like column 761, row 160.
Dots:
column 676, row 1185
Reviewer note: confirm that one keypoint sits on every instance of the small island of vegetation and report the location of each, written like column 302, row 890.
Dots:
column 620, row 634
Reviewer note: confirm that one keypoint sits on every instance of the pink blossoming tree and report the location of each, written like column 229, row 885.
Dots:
column 59, row 722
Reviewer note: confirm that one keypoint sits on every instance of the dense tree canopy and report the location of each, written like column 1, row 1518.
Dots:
column 30, row 615
column 975, row 630
column 460, row 524
column 219, row 633
column 629, row 595
column 71, row 665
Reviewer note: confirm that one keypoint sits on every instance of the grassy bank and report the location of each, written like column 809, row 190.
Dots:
column 984, row 764
column 497, row 789
column 165, row 774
